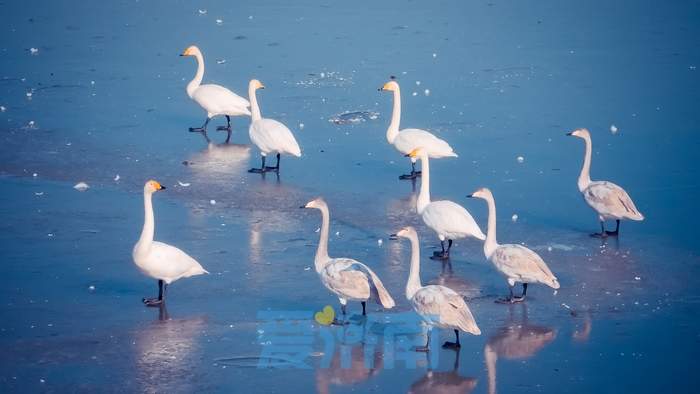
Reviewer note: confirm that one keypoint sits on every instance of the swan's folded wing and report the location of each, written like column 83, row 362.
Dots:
column 220, row 98
column 378, row 289
column 450, row 217
column 455, row 310
column 341, row 278
column 517, row 261
column 409, row 139
column 610, row 199
column 272, row 136
column 175, row 263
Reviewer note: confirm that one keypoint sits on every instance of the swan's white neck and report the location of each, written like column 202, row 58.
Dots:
column 393, row 131
column 491, row 244
column 254, row 109
column 197, row 80
column 584, row 179
column 146, row 238
column 424, row 195
column 322, row 251
column 413, row 284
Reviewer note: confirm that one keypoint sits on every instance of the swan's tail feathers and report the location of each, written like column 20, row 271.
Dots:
column 467, row 323
column 453, row 154
column 638, row 216
column 197, row 270
column 384, row 296
column 554, row 284
column 480, row 235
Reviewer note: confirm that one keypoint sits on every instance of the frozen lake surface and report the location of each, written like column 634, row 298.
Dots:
column 95, row 92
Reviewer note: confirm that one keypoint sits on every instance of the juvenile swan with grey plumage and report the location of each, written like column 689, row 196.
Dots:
column 516, row 262
column 438, row 306
column 349, row 279
column 609, row 200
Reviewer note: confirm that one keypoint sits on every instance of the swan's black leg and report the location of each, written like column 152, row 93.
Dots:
column 443, row 254
column 343, row 322
column 453, row 345
column 602, row 233
column 261, row 169
column 425, row 348
column 413, row 175
column 227, row 127
column 617, row 229
column 202, row 129
column 512, row 299
column 161, row 296
column 275, row 168
column 364, row 304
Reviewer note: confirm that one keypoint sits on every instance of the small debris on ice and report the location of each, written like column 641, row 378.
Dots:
column 417, row 83
column 35, row 175
column 380, row 242
column 81, row 186
column 337, row 233
column 34, row 51
column 307, row 268
column 29, row 94
column 426, row 92
column 521, row 159
column 549, row 248
column 203, row 12
column 2, row 108
column 301, row 126
column 414, row 94
column 219, row 22
column 220, row 61
column 637, row 278
column 318, row 229
column 514, row 218
column 185, row 184
column 116, row 178
column 91, row 288
column 212, row 202
column 613, row 129
column 434, row 55
column 38, row 193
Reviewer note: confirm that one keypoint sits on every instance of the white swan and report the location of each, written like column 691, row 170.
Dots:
column 606, row 198
column 449, row 220
column 439, row 306
column 156, row 259
column 349, row 279
column 215, row 99
column 269, row 135
column 516, row 262
column 408, row 139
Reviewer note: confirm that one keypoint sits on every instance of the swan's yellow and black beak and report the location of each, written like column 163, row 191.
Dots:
column 470, row 195
column 162, row 187
column 570, row 133
column 393, row 237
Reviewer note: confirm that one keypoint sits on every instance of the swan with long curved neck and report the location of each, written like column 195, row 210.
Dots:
column 609, row 200
column 438, row 306
column 407, row 140
column 449, row 220
column 515, row 262
column 158, row 260
column 215, row 99
column 269, row 135
column 349, row 279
